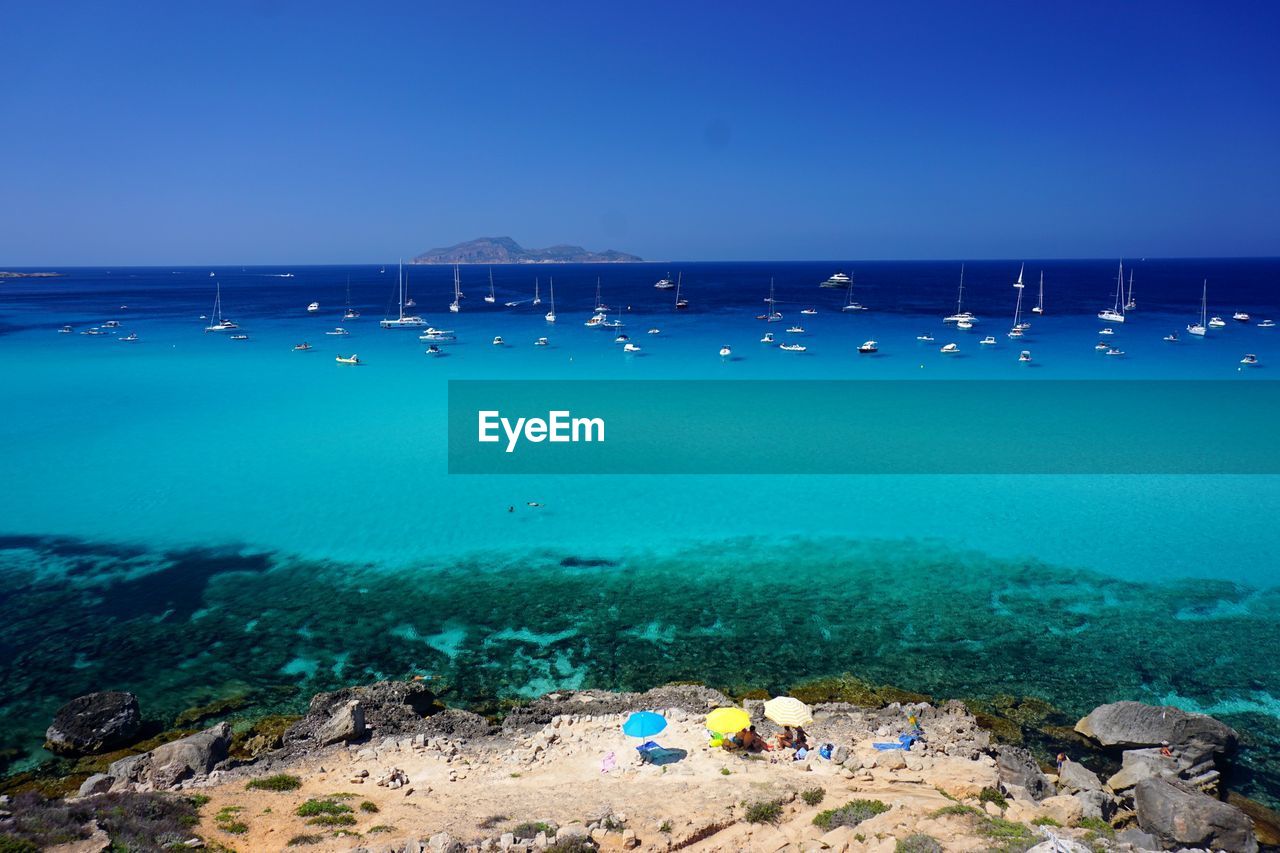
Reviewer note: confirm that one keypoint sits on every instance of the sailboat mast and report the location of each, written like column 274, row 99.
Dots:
column 960, row 298
column 401, row 283
column 1040, row 301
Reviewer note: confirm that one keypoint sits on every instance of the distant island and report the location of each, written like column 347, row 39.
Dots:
column 504, row 250
column 4, row 274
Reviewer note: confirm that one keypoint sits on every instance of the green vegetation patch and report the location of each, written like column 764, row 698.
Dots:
column 278, row 782
column 851, row 813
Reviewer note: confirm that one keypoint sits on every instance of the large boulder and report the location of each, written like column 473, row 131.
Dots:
column 171, row 763
column 94, row 723
column 1130, row 725
column 1139, row 764
column 346, row 724
column 1073, row 776
column 1180, row 816
column 389, row 707
column 1018, row 768
column 1098, row 805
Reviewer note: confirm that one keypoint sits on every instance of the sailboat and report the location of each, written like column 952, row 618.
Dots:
column 600, row 313
column 1129, row 304
column 219, row 324
column 537, row 298
column 666, row 283
column 1200, row 328
column 1018, row 326
column 961, row 317
column 681, row 302
column 351, row 313
column 1116, row 313
column 402, row 320
column 551, row 315
column 774, row 315
column 1039, row 309
column 490, row 298
column 455, row 306
column 849, row 304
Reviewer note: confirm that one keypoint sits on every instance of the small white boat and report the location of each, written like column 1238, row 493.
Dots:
column 793, row 347
column 796, row 330
column 94, row 332
column 809, row 312
column 434, row 334
column 655, row 331
column 767, row 339
column 338, row 331
column 596, row 320
column 1024, row 356
column 239, row 337
column 1217, row 323
column 111, row 324
column 65, row 330
column 411, row 303
column 433, row 350
column 622, row 339
column 540, row 342
column 665, row 283
column 1103, row 347
column 987, row 341
column 302, row 347
column 928, row 339
column 868, row 347
column 1114, row 351
column 1107, row 331
column 351, row 359
column 130, row 338
column 1240, row 317
column 497, row 340
column 950, row 348
column 1172, row 337
column 1267, row 324
column 1015, row 333
column 351, row 314
column 1249, row 358
column 631, row 348
column 964, row 324
column 839, row 279
column 725, row 352
column 313, row 307
column 210, row 275
column 510, row 304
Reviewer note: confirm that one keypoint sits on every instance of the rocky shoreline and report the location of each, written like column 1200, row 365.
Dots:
column 385, row 767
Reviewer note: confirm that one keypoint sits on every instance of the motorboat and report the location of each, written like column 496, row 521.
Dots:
column 596, row 320
column 111, row 324
column 540, row 342
column 239, row 337
column 839, row 279
column 1114, row 351
column 1240, row 317
column 351, row 359
column 793, row 347
column 65, row 330
column 630, row 347
column 1249, row 358
column 622, row 339
column 433, row 350
column 964, row 324
column 1172, row 337
column 868, row 347
column 302, row 347
column 1267, row 324
column 1107, row 331
column 949, row 349
column 1103, row 347
column 338, row 331
column 1217, row 323
column 796, row 330
column 351, row 314
column 94, row 332
column 510, row 304
column 130, row 338
column 497, row 340
column 665, row 283
column 1024, row 356
column 313, row 307
column 725, row 352
column 809, row 312
column 655, row 331
column 928, row 339
column 987, row 341
column 767, row 339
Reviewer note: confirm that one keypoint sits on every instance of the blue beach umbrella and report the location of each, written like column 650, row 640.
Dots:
column 644, row 724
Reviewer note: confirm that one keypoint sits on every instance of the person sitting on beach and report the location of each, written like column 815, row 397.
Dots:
column 750, row 741
column 785, row 738
column 800, row 740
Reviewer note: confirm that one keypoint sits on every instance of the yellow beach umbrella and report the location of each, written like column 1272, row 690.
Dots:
column 788, row 711
column 728, row 720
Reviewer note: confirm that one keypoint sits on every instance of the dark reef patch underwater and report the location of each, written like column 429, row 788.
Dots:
column 249, row 633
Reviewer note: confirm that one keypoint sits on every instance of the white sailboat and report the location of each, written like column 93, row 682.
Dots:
column 1129, row 304
column 1039, row 309
column 849, row 304
column 350, row 313
column 1115, row 314
column 220, row 323
column 402, row 320
column 1199, row 329
column 962, row 317
column 681, row 302
column 1018, row 326
column 456, row 305
column 490, row 298
column 551, row 315
column 773, row 314
column 537, row 297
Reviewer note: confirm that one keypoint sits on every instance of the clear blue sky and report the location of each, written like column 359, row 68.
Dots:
column 311, row 133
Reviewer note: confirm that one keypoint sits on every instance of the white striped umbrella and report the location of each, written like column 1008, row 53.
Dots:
column 788, row 711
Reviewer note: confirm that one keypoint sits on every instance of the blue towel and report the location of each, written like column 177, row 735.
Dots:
column 888, row 746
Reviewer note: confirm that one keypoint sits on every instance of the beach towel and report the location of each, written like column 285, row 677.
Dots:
column 610, row 761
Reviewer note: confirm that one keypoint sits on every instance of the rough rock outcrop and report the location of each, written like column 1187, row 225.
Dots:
column 94, row 723
column 170, row 763
column 98, row 783
column 1018, row 768
column 1073, row 776
column 1130, row 725
column 1139, row 764
column 539, row 712
column 345, row 724
column 1180, row 816
column 388, row 707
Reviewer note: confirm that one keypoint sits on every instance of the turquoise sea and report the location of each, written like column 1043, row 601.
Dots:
column 193, row 518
